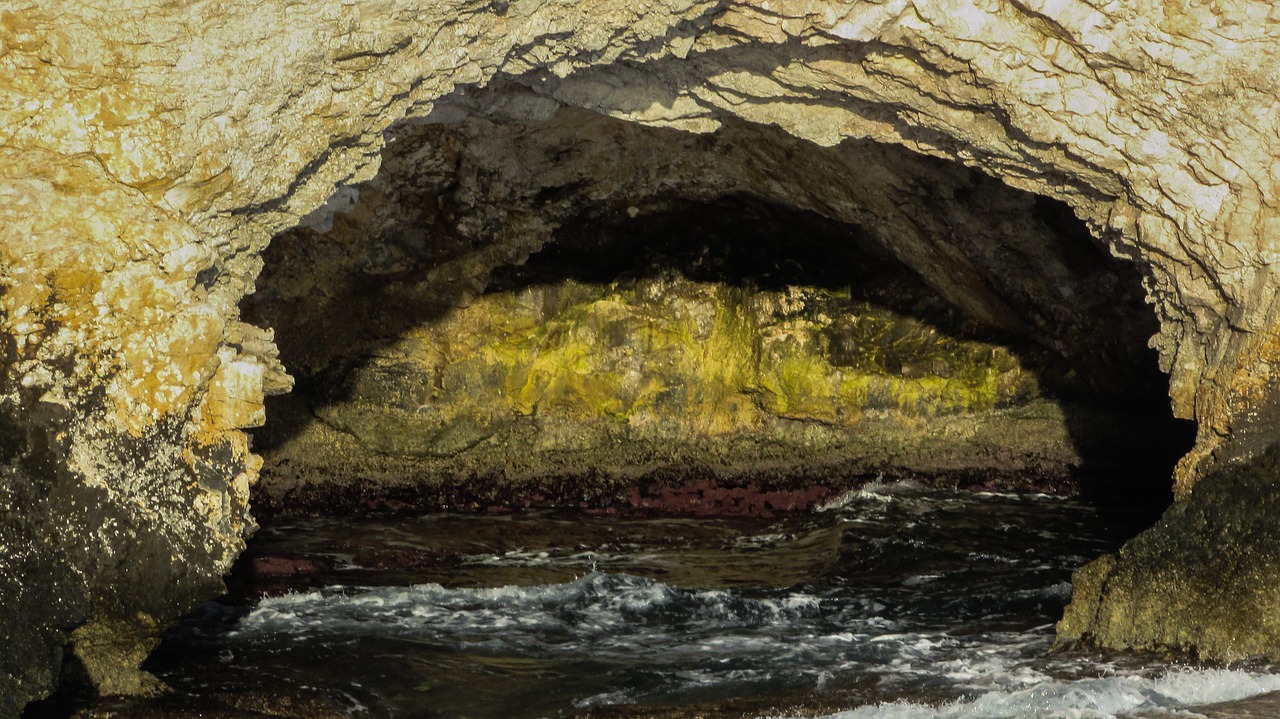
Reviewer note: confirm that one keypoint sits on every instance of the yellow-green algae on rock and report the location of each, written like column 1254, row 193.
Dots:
column 226, row 123
column 664, row 358
column 593, row 386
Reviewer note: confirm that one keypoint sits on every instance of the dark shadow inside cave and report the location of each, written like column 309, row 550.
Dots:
column 747, row 242
column 756, row 245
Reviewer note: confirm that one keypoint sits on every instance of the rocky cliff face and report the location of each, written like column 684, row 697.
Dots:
column 150, row 151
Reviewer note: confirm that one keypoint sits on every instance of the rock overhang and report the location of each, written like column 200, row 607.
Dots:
column 418, row 257
column 152, row 173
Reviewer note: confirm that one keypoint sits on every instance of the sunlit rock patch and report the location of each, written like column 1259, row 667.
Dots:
column 150, row 153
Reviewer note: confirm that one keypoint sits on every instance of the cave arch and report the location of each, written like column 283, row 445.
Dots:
column 147, row 178
column 496, row 226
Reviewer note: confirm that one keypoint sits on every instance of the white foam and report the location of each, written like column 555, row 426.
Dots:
column 877, row 490
column 687, row 640
column 754, row 541
column 1101, row 698
column 620, row 696
column 883, row 491
column 594, row 606
column 919, row 579
column 543, row 558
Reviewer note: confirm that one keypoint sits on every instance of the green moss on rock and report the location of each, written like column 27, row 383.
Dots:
column 583, row 392
column 692, row 357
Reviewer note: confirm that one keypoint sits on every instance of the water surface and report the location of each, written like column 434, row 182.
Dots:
column 895, row 601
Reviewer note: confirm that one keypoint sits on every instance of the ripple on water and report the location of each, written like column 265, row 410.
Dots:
column 1175, row 693
column 895, row 602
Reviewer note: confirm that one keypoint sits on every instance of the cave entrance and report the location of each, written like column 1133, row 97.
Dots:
column 580, row 313
column 525, row 314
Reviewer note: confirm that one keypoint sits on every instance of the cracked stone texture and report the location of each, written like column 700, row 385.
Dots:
column 149, row 151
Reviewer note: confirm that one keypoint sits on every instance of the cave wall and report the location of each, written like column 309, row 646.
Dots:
column 149, row 151
column 418, row 368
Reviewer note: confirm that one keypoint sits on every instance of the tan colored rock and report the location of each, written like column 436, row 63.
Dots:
column 1202, row 580
column 148, row 152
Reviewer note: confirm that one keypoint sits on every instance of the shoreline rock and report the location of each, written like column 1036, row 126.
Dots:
column 143, row 175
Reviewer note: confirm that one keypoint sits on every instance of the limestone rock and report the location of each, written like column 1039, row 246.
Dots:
column 150, row 150
column 1204, row 579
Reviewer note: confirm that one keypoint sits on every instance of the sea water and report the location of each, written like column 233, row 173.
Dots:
column 895, row 601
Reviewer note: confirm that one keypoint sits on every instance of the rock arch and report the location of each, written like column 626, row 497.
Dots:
column 149, row 153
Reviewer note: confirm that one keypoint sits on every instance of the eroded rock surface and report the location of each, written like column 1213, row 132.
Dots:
column 702, row 309
column 1203, row 580
column 149, row 151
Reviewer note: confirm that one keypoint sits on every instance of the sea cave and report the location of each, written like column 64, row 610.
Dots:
column 604, row 320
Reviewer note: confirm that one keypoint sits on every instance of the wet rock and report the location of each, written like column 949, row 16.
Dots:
column 1202, row 580
column 142, row 177
column 708, row 499
column 274, row 567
